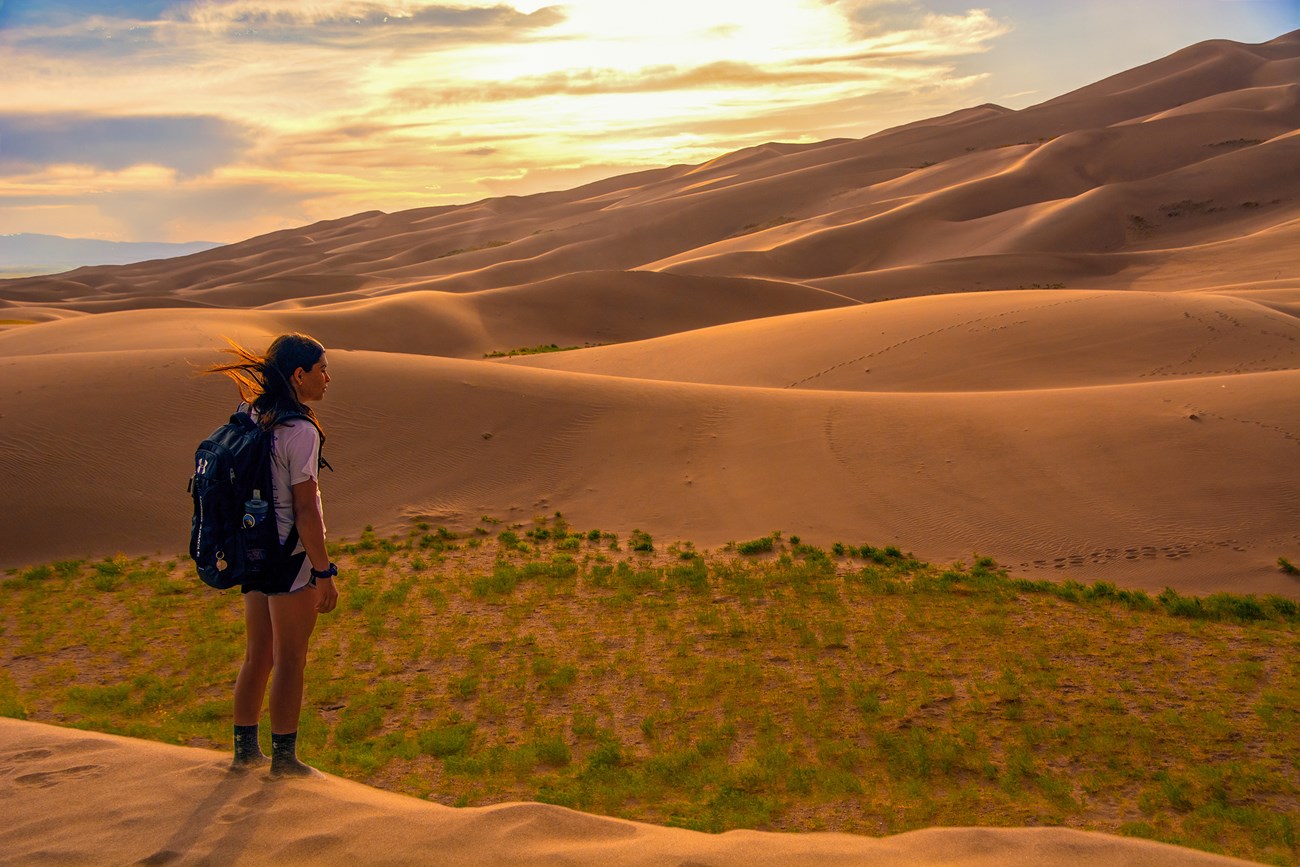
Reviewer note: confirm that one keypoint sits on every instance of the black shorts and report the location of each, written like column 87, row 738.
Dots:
column 282, row 581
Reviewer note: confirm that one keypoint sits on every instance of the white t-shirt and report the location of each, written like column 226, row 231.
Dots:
column 295, row 458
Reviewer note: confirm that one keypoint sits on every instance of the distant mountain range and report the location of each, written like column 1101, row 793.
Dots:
column 26, row 255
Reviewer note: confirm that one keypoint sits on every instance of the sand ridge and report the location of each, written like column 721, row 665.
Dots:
column 83, row 797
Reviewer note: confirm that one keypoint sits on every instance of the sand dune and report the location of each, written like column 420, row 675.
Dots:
column 1035, row 339
column 574, row 310
column 1087, row 369
column 81, row 797
column 1210, row 122
column 1171, row 481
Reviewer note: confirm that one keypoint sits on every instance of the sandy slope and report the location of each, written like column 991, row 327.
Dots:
column 1006, row 341
column 80, row 797
column 1088, row 368
column 1117, row 482
column 1213, row 124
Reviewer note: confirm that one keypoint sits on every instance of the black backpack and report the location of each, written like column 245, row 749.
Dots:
column 233, row 536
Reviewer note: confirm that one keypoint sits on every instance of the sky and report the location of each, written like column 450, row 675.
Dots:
column 219, row 120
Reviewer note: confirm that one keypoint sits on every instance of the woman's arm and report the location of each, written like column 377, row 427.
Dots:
column 311, row 531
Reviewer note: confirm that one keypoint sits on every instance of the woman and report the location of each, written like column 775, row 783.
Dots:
column 280, row 610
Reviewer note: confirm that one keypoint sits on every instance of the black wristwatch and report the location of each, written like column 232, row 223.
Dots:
column 325, row 573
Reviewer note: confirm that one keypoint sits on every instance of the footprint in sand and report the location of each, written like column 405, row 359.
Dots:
column 45, row 779
column 234, row 815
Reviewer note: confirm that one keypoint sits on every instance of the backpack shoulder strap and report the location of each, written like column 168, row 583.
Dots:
column 294, row 416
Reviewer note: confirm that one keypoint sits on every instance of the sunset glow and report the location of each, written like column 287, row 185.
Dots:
column 221, row 120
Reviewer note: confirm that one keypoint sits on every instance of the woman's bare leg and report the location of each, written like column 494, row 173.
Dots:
column 293, row 617
column 250, row 685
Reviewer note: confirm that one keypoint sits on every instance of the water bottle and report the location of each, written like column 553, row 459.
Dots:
column 256, row 512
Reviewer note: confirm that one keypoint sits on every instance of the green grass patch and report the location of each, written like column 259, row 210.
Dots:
column 540, row 349
column 852, row 688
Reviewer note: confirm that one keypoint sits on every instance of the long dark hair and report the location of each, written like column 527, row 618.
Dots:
column 264, row 381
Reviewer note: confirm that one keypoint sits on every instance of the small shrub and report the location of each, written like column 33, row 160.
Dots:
column 464, row 687
column 761, row 545
column 607, row 754
column 552, row 751
column 36, row 573
column 641, row 541
column 502, row 582
column 448, row 740
column 105, row 581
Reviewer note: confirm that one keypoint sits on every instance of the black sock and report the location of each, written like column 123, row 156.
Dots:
column 284, row 747
column 247, row 751
column 284, row 757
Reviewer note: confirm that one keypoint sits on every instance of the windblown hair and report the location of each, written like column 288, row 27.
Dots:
column 264, row 381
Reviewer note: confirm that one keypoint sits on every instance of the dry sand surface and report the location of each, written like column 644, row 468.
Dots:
column 1065, row 337
column 73, row 797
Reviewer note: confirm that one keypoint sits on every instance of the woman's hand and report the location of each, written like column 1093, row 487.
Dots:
column 327, row 595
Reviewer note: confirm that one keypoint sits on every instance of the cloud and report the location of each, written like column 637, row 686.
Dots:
column 192, row 145
column 876, row 17
column 348, row 25
column 173, row 32
column 586, row 82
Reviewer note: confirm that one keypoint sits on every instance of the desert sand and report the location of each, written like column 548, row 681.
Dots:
column 1066, row 337
column 74, row 797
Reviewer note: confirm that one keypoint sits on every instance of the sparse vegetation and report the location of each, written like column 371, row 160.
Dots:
column 1139, row 225
column 641, row 541
column 532, row 350
column 485, row 246
column 854, row 689
column 751, row 228
column 761, row 545
column 1187, row 206
column 1287, row 566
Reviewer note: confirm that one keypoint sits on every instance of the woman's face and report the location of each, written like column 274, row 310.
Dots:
column 310, row 385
